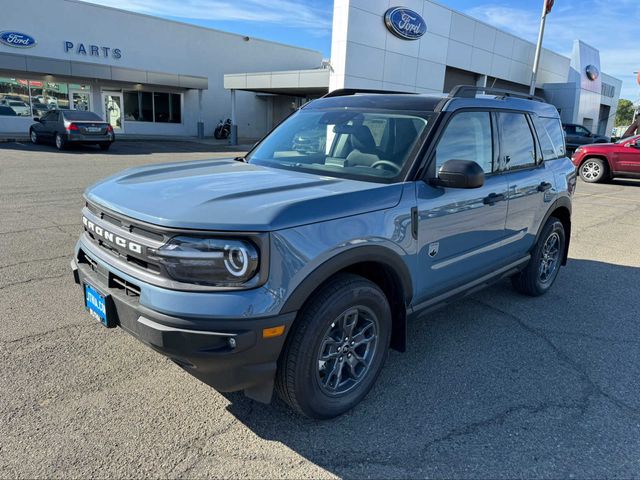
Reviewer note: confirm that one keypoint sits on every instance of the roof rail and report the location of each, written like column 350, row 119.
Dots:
column 343, row 92
column 469, row 91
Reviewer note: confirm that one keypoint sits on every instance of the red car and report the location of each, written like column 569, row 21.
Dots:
column 604, row 161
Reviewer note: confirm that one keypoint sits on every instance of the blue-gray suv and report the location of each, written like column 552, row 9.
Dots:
column 298, row 266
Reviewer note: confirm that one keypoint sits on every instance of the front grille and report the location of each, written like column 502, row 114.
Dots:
column 115, row 235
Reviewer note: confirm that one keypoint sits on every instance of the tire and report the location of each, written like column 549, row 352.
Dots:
column 33, row 136
column 541, row 272
column 59, row 141
column 594, row 170
column 104, row 146
column 327, row 388
column 217, row 134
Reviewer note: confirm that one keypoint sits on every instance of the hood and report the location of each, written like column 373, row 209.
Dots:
column 235, row 196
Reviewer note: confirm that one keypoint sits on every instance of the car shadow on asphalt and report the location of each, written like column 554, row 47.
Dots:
column 495, row 385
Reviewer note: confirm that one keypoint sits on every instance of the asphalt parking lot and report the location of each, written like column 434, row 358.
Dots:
column 495, row 386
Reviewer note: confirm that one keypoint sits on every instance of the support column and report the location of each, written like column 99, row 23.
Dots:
column 200, row 121
column 233, row 138
column 481, row 81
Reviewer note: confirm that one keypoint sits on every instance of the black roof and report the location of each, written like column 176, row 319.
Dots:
column 461, row 97
column 408, row 101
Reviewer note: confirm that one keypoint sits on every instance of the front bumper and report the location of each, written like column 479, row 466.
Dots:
column 227, row 354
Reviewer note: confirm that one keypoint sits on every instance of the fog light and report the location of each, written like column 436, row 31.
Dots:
column 232, row 342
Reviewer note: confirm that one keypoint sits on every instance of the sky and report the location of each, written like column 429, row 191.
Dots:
column 610, row 26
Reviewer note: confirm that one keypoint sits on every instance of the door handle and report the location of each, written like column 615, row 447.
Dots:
column 544, row 186
column 493, row 198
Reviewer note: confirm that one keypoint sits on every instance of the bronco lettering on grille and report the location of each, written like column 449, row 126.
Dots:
column 111, row 237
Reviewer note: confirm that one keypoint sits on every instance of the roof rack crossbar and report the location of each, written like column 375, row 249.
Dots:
column 343, row 92
column 469, row 91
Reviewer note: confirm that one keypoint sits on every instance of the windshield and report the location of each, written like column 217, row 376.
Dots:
column 361, row 144
column 79, row 115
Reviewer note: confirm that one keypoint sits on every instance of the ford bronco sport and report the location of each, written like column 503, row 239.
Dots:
column 298, row 266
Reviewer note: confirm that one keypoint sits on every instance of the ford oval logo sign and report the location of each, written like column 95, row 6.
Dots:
column 592, row 72
column 17, row 39
column 405, row 23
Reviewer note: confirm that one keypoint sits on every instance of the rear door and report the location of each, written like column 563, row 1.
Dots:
column 531, row 182
column 461, row 231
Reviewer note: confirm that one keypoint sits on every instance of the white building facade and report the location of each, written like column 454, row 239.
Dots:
column 457, row 49
column 146, row 75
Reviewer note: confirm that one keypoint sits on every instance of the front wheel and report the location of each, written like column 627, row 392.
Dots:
column 593, row 170
column 34, row 137
column 546, row 259
column 336, row 349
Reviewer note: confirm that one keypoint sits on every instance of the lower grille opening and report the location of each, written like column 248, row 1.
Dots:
column 129, row 288
column 84, row 258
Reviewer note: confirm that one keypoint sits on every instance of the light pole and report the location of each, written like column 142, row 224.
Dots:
column 547, row 5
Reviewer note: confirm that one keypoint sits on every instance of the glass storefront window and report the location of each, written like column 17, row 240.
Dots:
column 14, row 97
column 161, row 107
column 138, row 106
column 49, row 95
column 175, row 115
column 152, row 107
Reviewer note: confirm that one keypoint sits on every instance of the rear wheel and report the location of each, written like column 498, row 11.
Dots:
column 336, row 349
column 593, row 170
column 105, row 146
column 34, row 137
column 546, row 259
column 60, row 142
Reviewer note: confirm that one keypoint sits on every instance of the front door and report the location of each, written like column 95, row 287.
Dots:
column 461, row 232
column 113, row 110
column 628, row 157
column 80, row 100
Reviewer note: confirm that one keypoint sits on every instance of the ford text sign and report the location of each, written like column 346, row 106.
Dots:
column 17, row 39
column 405, row 23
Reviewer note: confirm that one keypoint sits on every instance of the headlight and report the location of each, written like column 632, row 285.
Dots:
column 208, row 261
column 578, row 150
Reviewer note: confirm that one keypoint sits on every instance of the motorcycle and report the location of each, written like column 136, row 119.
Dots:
column 223, row 130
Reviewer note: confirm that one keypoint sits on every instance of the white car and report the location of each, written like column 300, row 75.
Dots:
column 21, row 108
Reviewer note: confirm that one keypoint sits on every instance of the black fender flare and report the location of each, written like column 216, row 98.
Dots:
column 345, row 259
column 562, row 202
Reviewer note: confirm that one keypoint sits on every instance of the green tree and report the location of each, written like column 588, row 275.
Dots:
column 624, row 114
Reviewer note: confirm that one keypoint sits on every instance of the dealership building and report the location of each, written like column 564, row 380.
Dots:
column 155, row 77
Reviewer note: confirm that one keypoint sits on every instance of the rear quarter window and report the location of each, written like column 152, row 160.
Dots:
column 551, row 137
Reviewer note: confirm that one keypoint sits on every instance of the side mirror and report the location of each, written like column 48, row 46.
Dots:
column 36, row 119
column 460, row 174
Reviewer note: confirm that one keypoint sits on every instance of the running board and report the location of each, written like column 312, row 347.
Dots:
column 468, row 288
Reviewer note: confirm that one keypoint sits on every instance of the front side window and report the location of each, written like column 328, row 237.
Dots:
column 583, row 132
column 518, row 147
column 359, row 143
column 467, row 137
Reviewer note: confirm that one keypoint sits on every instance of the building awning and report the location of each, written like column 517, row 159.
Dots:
column 299, row 83
column 72, row 68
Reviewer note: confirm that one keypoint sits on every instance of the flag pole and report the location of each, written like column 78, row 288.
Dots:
column 546, row 8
